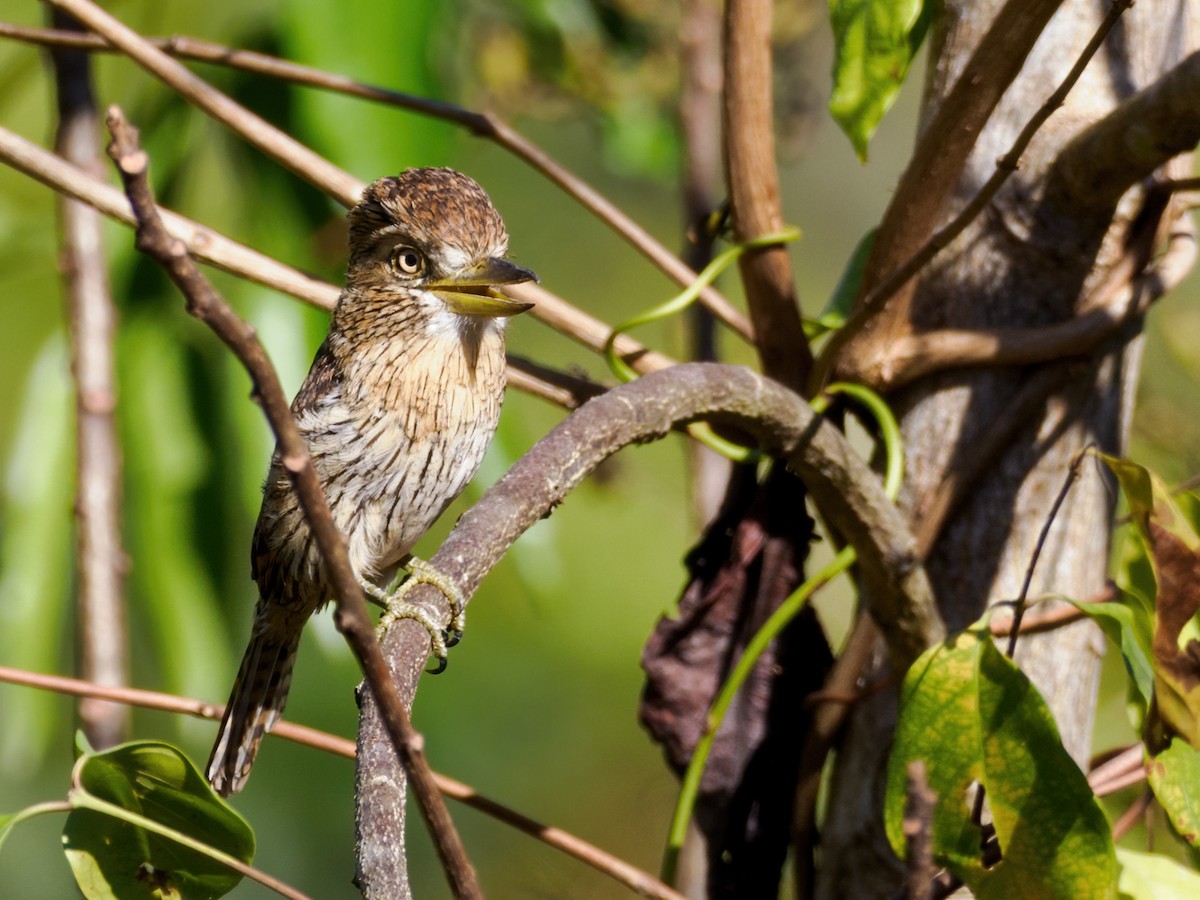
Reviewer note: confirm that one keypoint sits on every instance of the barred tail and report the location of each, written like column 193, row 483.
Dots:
column 254, row 705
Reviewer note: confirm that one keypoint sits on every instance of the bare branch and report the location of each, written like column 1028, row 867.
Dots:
column 483, row 125
column 351, row 617
column 918, row 832
column 633, row 878
column 291, row 153
column 1128, row 144
column 218, row 250
column 754, row 192
column 560, row 388
column 103, row 640
column 203, row 243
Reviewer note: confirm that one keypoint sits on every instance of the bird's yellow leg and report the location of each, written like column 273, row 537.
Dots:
column 396, row 607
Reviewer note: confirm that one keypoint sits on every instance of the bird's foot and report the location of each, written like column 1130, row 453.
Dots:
column 396, row 607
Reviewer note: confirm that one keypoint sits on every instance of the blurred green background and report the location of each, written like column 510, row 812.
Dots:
column 538, row 706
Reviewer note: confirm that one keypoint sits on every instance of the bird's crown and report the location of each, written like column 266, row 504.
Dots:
column 439, row 210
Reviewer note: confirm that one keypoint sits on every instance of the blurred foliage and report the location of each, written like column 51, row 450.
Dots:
column 538, row 706
column 617, row 61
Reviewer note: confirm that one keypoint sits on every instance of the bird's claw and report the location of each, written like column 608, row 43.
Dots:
column 440, row 638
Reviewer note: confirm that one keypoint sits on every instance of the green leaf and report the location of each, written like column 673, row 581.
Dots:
column 974, row 718
column 1174, row 775
column 874, row 43
column 112, row 857
column 1152, row 876
column 1173, row 548
column 1127, row 623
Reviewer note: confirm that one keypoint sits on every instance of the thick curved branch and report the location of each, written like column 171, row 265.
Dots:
column 847, row 492
column 1126, row 146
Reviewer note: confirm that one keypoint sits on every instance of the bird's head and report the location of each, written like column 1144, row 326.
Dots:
column 434, row 231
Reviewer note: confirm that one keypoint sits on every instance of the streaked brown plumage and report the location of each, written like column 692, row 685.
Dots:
column 397, row 410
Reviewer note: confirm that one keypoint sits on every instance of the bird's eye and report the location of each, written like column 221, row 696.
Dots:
column 408, row 261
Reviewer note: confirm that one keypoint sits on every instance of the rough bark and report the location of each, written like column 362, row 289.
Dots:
column 1030, row 260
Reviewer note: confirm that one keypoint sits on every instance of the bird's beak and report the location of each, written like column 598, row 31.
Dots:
column 471, row 293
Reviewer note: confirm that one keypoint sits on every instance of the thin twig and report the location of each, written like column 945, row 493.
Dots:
column 279, row 146
column 560, row 388
column 1181, row 185
column 635, row 879
column 918, row 832
column 1051, row 619
column 1019, row 605
column 1129, row 818
column 1118, row 771
column 202, row 242
column 351, row 616
column 100, row 617
column 483, row 125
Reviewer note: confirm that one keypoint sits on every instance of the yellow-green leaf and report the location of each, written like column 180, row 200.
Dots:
column 1174, row 776
column 1173, row 550
column 1152, row 876
column 974, row 718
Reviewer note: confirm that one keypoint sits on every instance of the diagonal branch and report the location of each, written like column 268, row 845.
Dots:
column 633, row 878
column 483, row 125
column 214, row 248
column 924, row 189
column 287, row 150
column 351, row 617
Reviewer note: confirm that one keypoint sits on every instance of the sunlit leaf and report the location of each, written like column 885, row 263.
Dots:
column 874, row 44
column 1173, row 548
column 1128, row 625
column 114, row 858
column 1152, row 876
column 1174, row 775
column 974, row 718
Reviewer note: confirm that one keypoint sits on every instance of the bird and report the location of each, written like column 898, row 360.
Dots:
column 399, row 406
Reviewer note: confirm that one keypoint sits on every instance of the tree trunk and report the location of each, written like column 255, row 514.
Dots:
column 1034, row 257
